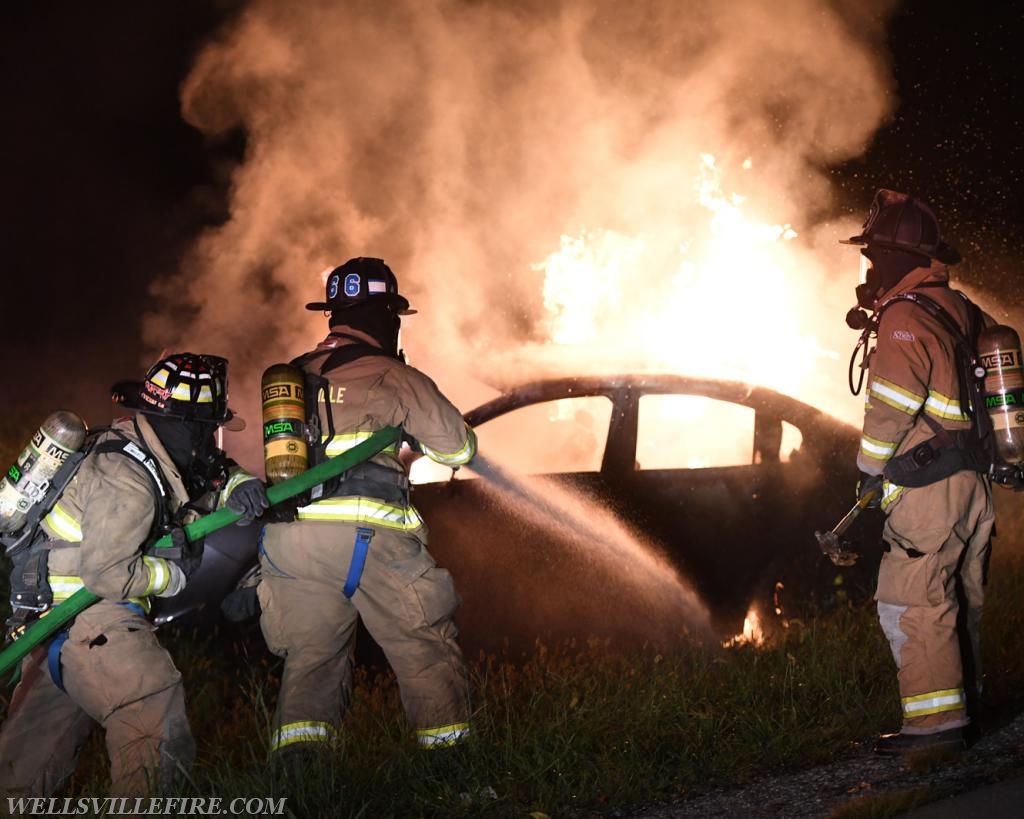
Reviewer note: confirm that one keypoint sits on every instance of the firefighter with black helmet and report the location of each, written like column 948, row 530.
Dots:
column 920, row 460
column 358, row 549
column 144, row 476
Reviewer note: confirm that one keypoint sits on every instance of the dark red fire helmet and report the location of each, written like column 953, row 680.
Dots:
column 359, row 281
column 901, row 222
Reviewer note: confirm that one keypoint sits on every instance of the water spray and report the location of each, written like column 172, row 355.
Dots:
column 614, row 546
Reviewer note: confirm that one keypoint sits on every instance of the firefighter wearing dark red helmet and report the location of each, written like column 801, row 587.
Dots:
column 915, row 459
column 142, row 477
column 358, row 549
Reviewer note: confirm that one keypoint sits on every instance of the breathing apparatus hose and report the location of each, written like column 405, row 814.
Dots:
column 60, row 615
column 862, row 348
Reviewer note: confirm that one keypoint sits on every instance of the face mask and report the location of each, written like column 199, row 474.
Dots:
column 867, row 290
column 208, row 469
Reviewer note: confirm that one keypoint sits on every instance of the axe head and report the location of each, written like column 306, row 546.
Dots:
column 838, row 549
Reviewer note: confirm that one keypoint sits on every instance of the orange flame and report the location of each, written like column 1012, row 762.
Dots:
column 717, row 296
column 752, row 634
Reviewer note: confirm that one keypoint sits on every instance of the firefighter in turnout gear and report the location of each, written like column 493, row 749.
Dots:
column 143, row 476
column 919, row 457
column 358, row 549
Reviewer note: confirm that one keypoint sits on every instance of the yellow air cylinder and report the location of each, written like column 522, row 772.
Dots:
column 285, row 452
column 26, row 482
column 1000, row 354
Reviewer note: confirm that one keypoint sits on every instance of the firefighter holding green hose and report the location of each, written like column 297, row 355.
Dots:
column 143, row 477
column 357, row 549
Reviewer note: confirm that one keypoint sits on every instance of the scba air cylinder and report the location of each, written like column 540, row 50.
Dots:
column 26, row 482
column 1000, row 354
column 285, row 453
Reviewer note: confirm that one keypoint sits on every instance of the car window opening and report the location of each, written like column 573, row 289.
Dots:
column 695, row 432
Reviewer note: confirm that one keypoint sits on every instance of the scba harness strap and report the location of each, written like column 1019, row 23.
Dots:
column 31, row 593
column 366, row 479
column 948, row 451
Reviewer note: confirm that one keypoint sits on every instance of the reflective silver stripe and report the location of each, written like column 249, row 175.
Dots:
column 307, row 731
column 934, row 702
column 463, row 456
column 942, row 407
column 183, row 392
column 890, row 492
column 343, row 442
column 240, row 476
column 63, row 586
column 63, row 525
column 895, row 396
column 874, row 448
column 443, row 736
column 159, row 574
column 362, row 509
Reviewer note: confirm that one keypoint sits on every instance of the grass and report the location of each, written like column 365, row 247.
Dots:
column 570, row 731
column 576, row 729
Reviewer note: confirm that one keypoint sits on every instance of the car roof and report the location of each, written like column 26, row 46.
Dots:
column 624, row 385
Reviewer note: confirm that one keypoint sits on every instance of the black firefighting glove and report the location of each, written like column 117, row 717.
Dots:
column 248, row 499
column 870, row 485
column 243, row 603
column 186, row 554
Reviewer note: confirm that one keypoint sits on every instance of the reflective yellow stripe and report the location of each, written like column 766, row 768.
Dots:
column 463, row 456
column 183, row 392
column 294, row 732
column 877, row 449
column 343, row 442
column 240, row 476
column 65, row 585
column 934, row 702
column 159, row 574
column 890, row 492
column 63, row 525
column 444, row 736
column 942, row 407
column 365, row 510
column 895, row 396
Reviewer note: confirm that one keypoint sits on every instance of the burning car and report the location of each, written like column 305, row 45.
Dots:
column 615, row 506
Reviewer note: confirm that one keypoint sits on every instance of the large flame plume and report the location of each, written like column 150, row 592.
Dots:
column 480, row 147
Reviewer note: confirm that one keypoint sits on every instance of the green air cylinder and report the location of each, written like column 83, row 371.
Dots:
column 26, row 482
column 1000, row 354
column 285, row 452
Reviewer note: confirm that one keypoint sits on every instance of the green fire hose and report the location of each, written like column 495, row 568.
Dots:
column 83, row 598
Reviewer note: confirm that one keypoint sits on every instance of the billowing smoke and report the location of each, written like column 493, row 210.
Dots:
column 460, row 140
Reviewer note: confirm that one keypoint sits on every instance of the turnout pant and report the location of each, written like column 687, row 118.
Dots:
column 115, row 673
column 931, row 587
column 406, row 603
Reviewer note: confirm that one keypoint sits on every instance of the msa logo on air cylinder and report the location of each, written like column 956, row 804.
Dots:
column 285, row 451
column 1000, row 354
column 26, row 482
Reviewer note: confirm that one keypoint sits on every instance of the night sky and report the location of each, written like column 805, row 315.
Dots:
column 105, row 186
